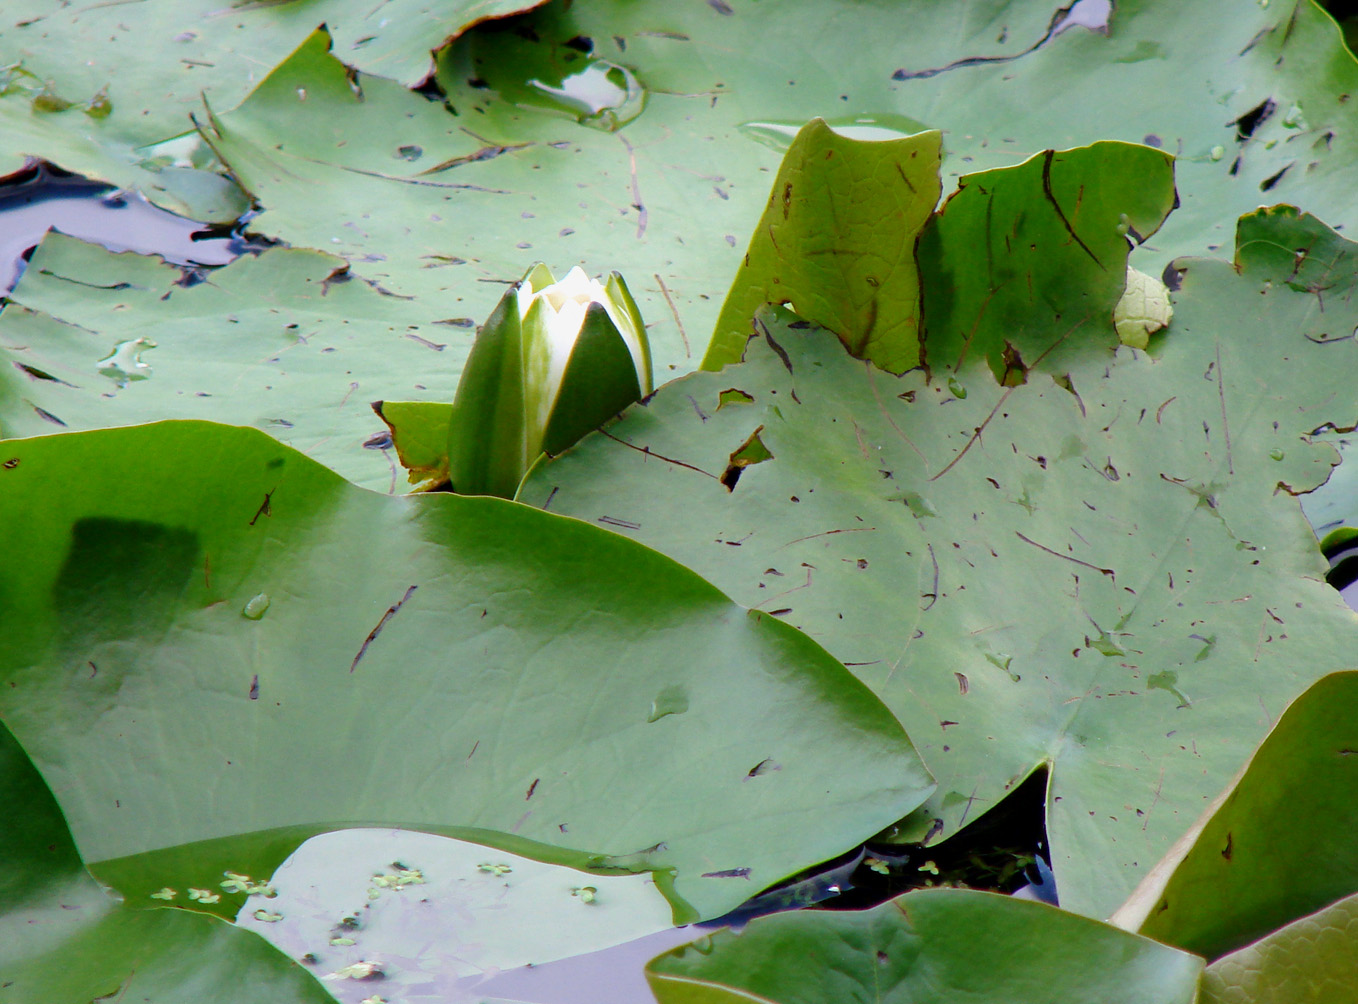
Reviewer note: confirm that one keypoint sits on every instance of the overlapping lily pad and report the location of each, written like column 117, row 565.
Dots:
column 63, row 938
column 290, row 342
column 1311, row 957
column 1246, row 869
column 837, row 240
column 152, row 71
column 1106, row 572
column 931, row 947
column 218, row 648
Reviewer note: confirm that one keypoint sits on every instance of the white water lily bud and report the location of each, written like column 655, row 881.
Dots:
column 1143, row 310
column 553, row 315
column 554, row 361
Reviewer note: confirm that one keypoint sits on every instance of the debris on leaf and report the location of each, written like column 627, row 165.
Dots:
column 1143, row 310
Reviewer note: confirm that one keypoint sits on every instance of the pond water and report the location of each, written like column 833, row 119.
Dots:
column 42, row 197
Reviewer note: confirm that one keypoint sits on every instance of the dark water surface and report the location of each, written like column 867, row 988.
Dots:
column 42, row 197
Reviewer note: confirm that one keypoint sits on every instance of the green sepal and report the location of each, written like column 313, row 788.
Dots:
column 617, row 290
column 600, row 380
column 487, row 436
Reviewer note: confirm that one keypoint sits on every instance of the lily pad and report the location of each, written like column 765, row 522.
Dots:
column 837, row 241
column 490, row 684
column 64, row 938
column 290, row 342
column 1023, row 266
column 928, row 947
column 1104, row 570
column 441, row 914
column 155, row 70
column 1313, row 957
column 1246, row 869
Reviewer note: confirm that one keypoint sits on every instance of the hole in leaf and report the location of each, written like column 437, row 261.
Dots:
column 1273, row 179
column 1252, row 119
column 733, row 395
column 752, row 451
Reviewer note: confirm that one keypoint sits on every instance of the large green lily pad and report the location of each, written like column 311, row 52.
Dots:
column 929, row 947
column 217, row 648
column 1104, row 571
column 63, row 938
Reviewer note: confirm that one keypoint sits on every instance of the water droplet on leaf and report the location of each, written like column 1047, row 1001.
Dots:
column 601, row 95
column 124, row 365
column 256, row 606
column 670, row 701
column 778, row 134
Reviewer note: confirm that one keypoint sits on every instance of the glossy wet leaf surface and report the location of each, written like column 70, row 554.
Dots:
column 63, row 937
column 939, row 946
column 456, row 653
column 1106, row 572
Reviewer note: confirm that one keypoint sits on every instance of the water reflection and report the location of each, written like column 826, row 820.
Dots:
column 42, row 197
column 418, row 917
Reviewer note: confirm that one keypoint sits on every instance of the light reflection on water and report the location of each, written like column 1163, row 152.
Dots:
column 442, row 919
column 37, row 200
column 449, row 921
